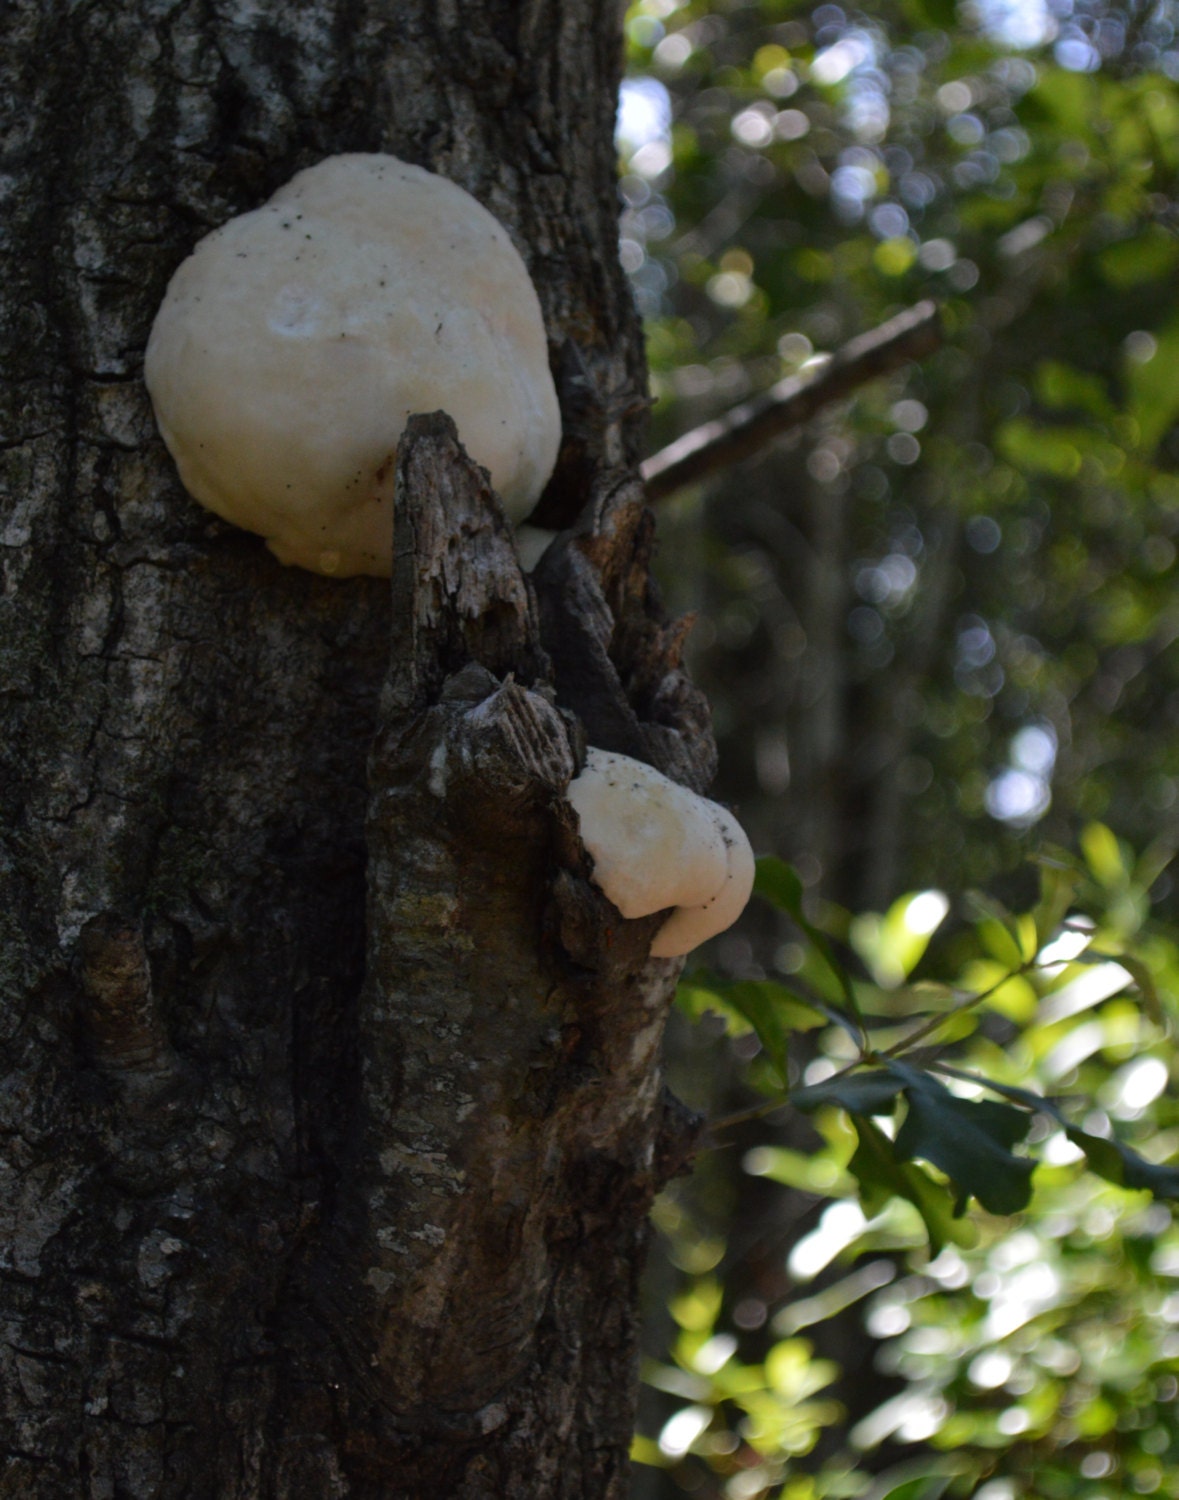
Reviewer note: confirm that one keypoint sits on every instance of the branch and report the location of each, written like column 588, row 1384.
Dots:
column 746, row 428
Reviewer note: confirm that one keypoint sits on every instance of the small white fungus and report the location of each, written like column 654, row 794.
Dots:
column 655, row 845
column 296, row 340
column 689, row 926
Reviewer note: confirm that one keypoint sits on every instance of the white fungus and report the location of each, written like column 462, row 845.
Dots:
column 296, row 340
column 655, row 845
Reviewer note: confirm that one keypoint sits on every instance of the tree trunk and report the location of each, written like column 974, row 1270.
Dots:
column 330, row 1110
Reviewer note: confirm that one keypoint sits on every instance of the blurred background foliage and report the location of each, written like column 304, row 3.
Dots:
column 939, row 630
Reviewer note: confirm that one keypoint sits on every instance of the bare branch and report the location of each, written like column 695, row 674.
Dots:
column 744, row 429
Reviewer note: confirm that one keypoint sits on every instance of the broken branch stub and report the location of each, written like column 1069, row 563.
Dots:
column 616, row 657
column 512, row 1128
column 459, row 593
column 745, row 429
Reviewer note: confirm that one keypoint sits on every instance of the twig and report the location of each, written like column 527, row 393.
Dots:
column 871, row 1055
column 744, row 429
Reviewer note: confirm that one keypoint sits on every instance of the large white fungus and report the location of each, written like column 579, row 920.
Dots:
column 656, row 844
column 296, row 340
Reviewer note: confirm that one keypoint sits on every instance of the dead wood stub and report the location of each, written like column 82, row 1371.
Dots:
column 513, row 1127
column 456, row 570
column 616, row 657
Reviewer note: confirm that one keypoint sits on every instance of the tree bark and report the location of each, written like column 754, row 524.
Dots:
column 330, row 1108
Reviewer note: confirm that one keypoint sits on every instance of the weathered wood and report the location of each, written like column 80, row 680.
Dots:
column 745, row 429
column 202, row 1092
column 616, row 658
column 511, row 1107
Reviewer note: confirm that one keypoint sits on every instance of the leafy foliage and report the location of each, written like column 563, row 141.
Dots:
column 978, row 556
column 970, row 1140
column 939, row 632
column 916, row 1118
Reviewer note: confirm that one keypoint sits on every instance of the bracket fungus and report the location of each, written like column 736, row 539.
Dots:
column 655, row 845
column 295, row 341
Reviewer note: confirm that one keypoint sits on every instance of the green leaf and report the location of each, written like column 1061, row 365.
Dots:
column 797, row 1012
column 892, row 945
column 1038, row 1103
column 1058, row 889
column 1154, row 391
column 770, row 1009
column 870, row 1093
column 1144, row 979
column 1111, row 1160
column 793, row 1372
column 923, row 1487
column 881, row 1177
column 645, row 1450
column 1118, row 1163
column 893, row 257
column 695, row 998
column 1061, row 386
column 778, row 884
column 970, row 1141
column 698, row 1308
column 1003, row 933
column 1038, row 450
column 1066, row 99
column 813, row 1171
column 930, row 15
column 759, row 1003
column 1161, row 114
column 1104, row 856
column 1153, row 860
column 1150, row 256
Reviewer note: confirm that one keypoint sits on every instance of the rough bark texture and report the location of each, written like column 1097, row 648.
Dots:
column 329, row 1111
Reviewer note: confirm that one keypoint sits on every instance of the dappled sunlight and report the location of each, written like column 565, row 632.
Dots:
column 937, row 625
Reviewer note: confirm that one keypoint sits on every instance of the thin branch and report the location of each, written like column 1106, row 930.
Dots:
column 744, row 429
column 871, row 1055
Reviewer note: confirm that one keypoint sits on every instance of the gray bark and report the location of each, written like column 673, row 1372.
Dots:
column 330, row 1107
